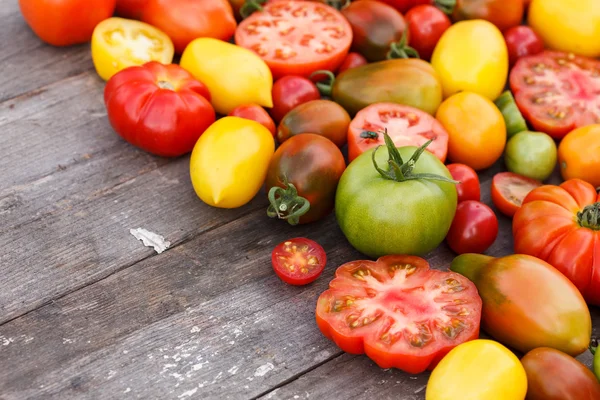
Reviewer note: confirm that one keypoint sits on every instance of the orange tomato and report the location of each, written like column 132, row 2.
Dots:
column 579, row 154
column 476, row 128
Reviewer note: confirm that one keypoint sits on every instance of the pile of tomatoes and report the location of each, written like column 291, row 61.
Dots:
column 383, row 112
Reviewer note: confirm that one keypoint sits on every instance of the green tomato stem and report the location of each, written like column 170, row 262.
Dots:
column 338, row 4
column 401, row 49
column 286, row 204
column 446, row 6
column 325, row 88
column 251, row 6
column 589, row 217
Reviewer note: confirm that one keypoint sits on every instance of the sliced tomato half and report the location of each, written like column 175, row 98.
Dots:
column 296, row 37
column 557, row 92
column 399, row 312
column 298, row 261
column 509, row 190
column 407, row 126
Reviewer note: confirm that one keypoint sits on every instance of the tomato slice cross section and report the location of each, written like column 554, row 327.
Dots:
column 509, row 190
column 298, row 261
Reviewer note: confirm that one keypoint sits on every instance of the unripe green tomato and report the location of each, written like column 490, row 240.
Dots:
column 531, row 154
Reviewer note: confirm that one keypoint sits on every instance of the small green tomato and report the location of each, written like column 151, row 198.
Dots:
column 531, row 154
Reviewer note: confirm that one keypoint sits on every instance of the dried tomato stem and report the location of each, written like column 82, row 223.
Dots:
column 446, row 6
column 251, row 6
column 287, row 204
column 325, row 88
column 589, row 217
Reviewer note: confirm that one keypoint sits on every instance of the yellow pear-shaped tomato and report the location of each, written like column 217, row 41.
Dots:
column 229, row 162
column 234, row 75
column 472, row 56
column 478, row 370
column 567, row 25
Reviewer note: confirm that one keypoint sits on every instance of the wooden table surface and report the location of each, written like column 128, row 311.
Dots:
column 88, row 312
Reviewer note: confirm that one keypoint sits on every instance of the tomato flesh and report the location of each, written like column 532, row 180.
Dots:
column 407, row 126
column 298, row 261
column 557, row 92
column 509, row 190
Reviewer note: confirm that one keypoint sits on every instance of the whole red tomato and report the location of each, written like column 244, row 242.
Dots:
column 65, row 22
column 468, row 188
column 352, row 60
column 255, row 113
column 474, row 228
column 159, row 108
column 426, row 24
column 289, row 92
column 502, row 13
column 405, row 5
column 522, row 41
column 130, row 8
column 186, row 20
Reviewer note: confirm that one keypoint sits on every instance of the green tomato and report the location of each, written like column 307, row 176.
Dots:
column 531, row 154
column 381, row 216
column 596, row 362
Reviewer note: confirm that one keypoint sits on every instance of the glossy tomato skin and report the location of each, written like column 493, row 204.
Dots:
column 414, row 349
column 554, row 375
column 322, row 117
column 579, row 155
column 159, row 108
column 554, row 225
column 527, row 303
column 509, row 190
column 255, row 113
column 289, row 92
column 375, row 26
column 522, row 41
column 474, row 228
column 468, row 188
column 502, row 13
column 352, row 60
column 411, row 82
column 130, row 8
column 405, row 5
column 426, row 24
column 186, row 20
column 298, row 261
column 314, row 165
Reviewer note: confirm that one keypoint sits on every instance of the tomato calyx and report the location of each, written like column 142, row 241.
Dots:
column 326, row 87
column 401, row 49
column 251, row 6
column 589, row 217
column 446, row 6
column 166, row 85
column 286, row 204
column 401, row 171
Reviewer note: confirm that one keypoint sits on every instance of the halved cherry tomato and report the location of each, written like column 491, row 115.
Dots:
column 130, row 8
column 352, row 60
column 468, row 188
column 289, row 92
column 522, row 41
column 509, row 191
column 255, row 113
column 474, row 228
column 298, row 261
column 407, row 126
column 557, row 92
column 399, row 312
column 426, row 24
column 296, row 37
column 502, row 13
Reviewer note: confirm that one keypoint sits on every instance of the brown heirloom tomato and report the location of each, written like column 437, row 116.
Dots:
column 527, row 303
column 502, row 13
column 302, row 178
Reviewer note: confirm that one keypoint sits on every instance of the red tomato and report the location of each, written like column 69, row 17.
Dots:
column 65, row 22
column 352, row 60
column 509, row 191
column 404, row 5
column 426, row 24
column 298, row 261
column 255, row 113
column 289, row 92
column 296, row 37
column 557, row 92
column 468, row 188
column 474, row 228
column 159, row 108
column 522, row 41
column 186, row 20
column 399, row 312
column 407, row 126
column 130, row 8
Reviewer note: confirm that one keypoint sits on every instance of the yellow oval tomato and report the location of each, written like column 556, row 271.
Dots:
column 478, row 370
column 579, row 154
column 567, row 25
column 472, row 55
column 229, row 162
column 118, row 43
column 476, row 129
column 234, row 75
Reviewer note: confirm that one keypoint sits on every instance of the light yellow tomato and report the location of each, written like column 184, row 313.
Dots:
column 234, row 75
column 567, row 25
column 472, row 55
column 229, row 162
column 478, row 370
column 118, row 43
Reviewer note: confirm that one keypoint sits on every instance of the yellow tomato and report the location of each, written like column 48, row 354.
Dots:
column 118, row 43
column 579, row 154
column 229, row 162
column 476, row 129
column 478, row 370
column 234, row 75
column 472, row 55
column 567, row 25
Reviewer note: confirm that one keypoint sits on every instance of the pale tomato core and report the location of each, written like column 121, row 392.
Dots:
column 139, row 44
column 298, row 258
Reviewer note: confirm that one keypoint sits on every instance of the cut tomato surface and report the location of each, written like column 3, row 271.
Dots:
column 509, row 190
column 399, row 312
column 296, row 37
column 407, row 126
column 557, row 92
column 298, row 261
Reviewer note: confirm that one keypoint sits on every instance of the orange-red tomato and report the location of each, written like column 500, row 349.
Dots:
column 502, row 13
column 255, row 113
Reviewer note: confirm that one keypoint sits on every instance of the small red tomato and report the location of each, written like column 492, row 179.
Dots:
column 298, row 261
column 522, row 41
column 255, row 113
column 289, row 92
column 474, row 229
column 468, row 188
column 352, row 60
column 509, row 190
column 426, row 24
